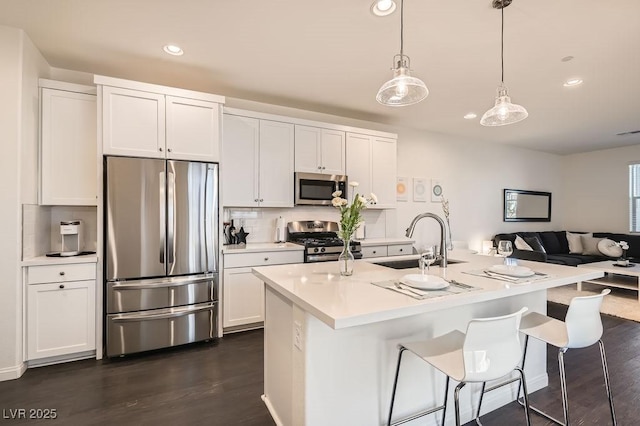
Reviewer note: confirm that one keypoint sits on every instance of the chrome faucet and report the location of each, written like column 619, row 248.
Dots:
column 443, row 234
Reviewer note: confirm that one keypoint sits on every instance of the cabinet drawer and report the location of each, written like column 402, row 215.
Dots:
column 399, row 249
column 240, row 260
column 374, row 251
column 61, row 273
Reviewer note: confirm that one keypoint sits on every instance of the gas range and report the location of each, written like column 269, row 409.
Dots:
column 320, row 239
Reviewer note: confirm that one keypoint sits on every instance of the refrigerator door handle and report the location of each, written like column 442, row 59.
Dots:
column 171, row 217
column 162, row 206
column 208, row 217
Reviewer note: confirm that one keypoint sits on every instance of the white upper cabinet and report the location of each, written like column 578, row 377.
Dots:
column 276, row 164
column 372, row 162
column 192, row 129
column 319, row 150
column 145, row 120
column 240, row 156
column 257, row 162
column 133, row 123
column 68, row 159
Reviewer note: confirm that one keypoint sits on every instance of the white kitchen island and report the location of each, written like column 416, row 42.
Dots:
column 331, row 341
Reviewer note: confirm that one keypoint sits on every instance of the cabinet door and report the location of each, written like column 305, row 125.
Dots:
column 133, row 123
column 359, row 162
column 333, row 152
column 276, row 164
column 60, row 318
column 307, row 149
column 384, row 171
column 243, row 298
column 239, row 165
column 192, row 130
column 68, row 148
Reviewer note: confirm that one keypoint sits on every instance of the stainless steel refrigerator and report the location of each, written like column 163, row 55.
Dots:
column 161, row 263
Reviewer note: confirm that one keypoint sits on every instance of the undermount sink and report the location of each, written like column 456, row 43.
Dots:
column 410, row 263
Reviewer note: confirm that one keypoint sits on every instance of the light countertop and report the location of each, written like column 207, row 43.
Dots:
column 342, row 302
column 260, row 247
column 44, row 260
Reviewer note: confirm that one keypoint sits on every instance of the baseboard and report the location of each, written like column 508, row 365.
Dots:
column 12, row 373
column 272, row 411
column 60, row 359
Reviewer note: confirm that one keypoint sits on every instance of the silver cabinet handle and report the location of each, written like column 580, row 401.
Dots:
column 160, row 149
column 374, row 252
column 61, row 273
column 400, row 250
column 266, row 259
column 61, row 286
column 169, row 149
column 255, row 199
column 261, row 200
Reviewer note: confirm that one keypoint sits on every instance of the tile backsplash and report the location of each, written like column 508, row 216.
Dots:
column 261, row 223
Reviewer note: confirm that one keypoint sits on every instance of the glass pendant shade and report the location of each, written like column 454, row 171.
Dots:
column 504, row 112
column 402, row 89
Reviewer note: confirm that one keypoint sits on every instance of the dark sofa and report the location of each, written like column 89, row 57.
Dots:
column 556, row 247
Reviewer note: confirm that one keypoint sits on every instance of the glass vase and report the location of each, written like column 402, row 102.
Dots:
column 346, row 259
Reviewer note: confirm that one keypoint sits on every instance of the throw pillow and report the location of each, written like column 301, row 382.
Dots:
column 575, row 243
column 535, row 244
column 609, row 248
column 590, row 245
column 521, row 244
column 550, row 242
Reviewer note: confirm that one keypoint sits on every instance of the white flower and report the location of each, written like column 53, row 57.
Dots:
column 374, row 198
column 343, row 202
column 336, row 201
column 623, row 245
column 336, row 194
column 354, row 184
column 362, row 199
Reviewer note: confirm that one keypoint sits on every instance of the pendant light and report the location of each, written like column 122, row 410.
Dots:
column 504, row 112
column 402, row 89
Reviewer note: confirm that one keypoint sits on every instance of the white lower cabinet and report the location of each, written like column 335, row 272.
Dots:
column 243, row 298
column 243, row 292
column 61, row 316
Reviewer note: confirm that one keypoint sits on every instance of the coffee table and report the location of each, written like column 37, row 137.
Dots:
column 615, row 276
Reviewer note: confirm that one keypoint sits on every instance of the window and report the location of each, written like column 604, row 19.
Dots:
column 634, row 197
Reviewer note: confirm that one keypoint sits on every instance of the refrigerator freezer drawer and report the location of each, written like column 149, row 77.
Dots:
column 139, row 295
column 161, row 328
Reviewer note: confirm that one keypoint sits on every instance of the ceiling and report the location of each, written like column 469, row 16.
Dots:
column 332, row 56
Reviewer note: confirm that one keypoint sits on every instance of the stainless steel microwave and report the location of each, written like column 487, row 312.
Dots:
column 317, row 189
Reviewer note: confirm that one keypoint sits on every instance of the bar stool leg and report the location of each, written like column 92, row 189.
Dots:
column 395, row 382
column 563, row 385
column 444, row 405
column 605, row 370
column 484, row 385
column 523, row 383
column 456, row 398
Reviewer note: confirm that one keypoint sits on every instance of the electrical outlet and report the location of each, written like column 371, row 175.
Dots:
column 297, row 335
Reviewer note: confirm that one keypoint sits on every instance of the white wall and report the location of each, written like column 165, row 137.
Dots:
column 597, row 189
column 20, row 66
column 473, row 177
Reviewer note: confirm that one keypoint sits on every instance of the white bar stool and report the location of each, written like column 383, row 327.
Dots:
column 581, row 328
column 489, row 350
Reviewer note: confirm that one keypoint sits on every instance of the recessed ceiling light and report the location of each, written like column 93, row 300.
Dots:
column 573, row 82
column 470, row 116
column 567, row 58
column 172, row 49
column 383, row 7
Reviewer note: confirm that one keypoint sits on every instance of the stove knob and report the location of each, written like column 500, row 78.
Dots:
column 322, row 249
column 315, row 250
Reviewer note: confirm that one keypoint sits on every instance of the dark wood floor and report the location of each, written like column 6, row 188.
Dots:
column 212, row 384
column 221, row 384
